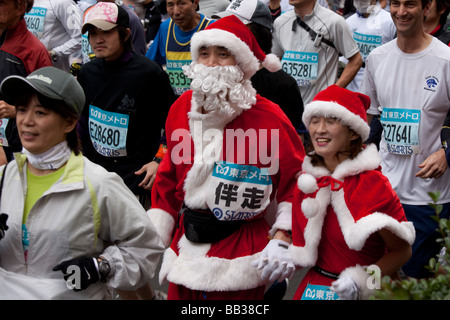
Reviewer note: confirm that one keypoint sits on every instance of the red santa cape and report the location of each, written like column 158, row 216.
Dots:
column 359, row 200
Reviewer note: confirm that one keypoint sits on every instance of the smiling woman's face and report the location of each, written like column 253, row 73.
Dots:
column 40, row 128
column 331, row 139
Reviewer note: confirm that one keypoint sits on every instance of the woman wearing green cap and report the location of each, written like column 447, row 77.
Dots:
column 73, row 229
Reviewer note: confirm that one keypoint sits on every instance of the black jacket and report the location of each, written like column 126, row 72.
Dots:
column 134, row 86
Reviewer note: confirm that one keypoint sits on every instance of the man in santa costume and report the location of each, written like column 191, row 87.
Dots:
column 348, row 224
column 232, row 155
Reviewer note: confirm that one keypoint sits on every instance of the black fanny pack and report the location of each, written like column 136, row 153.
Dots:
column 204, row 227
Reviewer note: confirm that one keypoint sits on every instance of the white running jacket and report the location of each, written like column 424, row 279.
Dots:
column 88, row 212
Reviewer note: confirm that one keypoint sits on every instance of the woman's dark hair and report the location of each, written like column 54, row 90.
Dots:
column 356, row 146
column 58, row 106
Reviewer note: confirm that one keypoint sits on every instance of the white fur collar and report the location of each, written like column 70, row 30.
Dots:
column 368, row 159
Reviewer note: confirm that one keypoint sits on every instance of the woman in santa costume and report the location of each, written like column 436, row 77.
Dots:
column 348, row 223
column 232, row 156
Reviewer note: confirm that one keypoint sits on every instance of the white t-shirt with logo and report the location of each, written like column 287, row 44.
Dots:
column 369, row 33
column 413, row 92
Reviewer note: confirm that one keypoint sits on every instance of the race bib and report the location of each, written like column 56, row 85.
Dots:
column 366, row 43
column 178, row 80
column 86, row 49
column 316, row 292
column 3, row 124
column 401, row 130
column 238, row 192
column 302, row 66
column 35, row 20
column 108, row 132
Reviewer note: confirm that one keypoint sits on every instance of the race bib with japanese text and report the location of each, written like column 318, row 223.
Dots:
column 86, row 49
column 108, row 132
column 316, row 292
column 302, row 66
column 178, row 80
column 35, row 20
column 366, row 43
column 401, row 130
column 238, row 192
column 3, row 139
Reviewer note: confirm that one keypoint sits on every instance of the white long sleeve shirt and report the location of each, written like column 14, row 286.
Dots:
column 57, row 23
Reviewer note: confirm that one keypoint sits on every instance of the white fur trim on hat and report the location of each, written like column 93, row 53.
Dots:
column 333, row 109
column 272, row 63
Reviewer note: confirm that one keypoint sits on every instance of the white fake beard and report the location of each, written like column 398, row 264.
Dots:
column 220, row 90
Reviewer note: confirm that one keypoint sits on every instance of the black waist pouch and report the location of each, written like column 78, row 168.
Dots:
column 204, row 227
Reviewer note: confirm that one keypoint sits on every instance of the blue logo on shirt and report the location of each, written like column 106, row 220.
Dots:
column 432, row 82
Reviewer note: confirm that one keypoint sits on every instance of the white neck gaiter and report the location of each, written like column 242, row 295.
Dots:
column 52, row 159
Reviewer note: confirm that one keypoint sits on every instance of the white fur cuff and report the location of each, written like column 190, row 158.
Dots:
column 284, row 218
column 164, row 224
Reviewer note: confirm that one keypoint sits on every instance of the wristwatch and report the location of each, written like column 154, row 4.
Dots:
column 103, row 268
column 157, row 159
column 53, row 55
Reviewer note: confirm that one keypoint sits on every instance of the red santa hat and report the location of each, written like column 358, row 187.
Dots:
column 348, row 106
column 231, row 33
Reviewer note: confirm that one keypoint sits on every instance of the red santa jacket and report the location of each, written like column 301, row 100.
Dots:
column 213, row 179
column 360, row 196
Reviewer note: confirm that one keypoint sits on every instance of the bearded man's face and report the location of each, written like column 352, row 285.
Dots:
column 220, row 89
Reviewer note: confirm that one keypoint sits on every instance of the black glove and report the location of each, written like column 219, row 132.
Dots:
column 75, row 68
column 88, row 272
column 3, row 226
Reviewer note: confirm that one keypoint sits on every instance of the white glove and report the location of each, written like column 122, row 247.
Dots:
column 345, row 287
column 275, row 261
column 352, row 284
